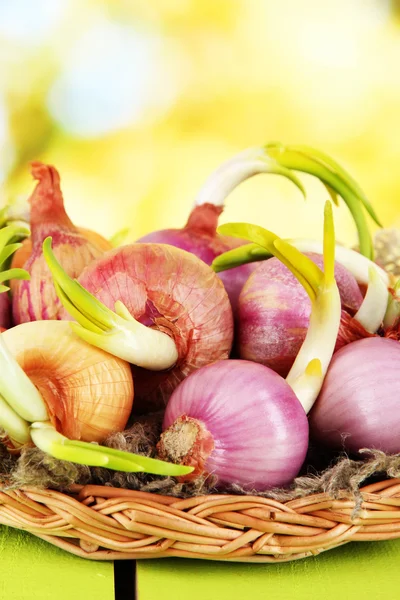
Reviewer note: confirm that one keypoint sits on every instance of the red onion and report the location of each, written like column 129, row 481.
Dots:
column 239, row 421
column 5, row 311
column 36, row 299
column 274, row 311
column 358, row 405
column 199, row 236
column 172, row 314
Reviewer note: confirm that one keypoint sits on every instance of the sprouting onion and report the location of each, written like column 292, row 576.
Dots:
column 67, row 388
column 158, row 307
column 199, row 236
column 239, row 420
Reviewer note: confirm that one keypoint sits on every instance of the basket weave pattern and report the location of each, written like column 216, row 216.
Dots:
column 104, row 523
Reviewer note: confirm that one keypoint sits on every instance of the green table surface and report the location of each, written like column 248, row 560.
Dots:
column 31, row 569
column 352, row 572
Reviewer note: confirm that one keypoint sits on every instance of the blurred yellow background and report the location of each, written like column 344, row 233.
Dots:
column 136, row 102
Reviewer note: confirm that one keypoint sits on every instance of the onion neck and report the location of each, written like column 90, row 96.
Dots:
column 47, row 203
column 187, row 442
column 204, row 218
column 118, row 333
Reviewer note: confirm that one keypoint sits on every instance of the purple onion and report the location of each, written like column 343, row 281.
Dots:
column 239, row 421
column 358, row 406
column 5, row 311
column 274, row 312
column 199, row 236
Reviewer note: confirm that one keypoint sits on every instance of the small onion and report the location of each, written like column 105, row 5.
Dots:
column 239, row 421
column 87, row 392
column 274, row 312
column 165, row 291
column 36, row 299
column 358, row 405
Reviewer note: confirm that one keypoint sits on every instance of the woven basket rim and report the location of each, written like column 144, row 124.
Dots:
column 107, row 523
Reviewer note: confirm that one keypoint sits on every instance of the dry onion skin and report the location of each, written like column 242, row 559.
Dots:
column 36, row 299
column 87, row 392
column 54, row 387
column 23, row 254
column 172, row 316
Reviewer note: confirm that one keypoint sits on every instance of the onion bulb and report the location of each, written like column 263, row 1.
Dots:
column 242, row 422
column 36, row 299
column 54, row 387
column 172, row 313
column 274, row 311
column 88, row 393
column 358, row 404
column 239, row 421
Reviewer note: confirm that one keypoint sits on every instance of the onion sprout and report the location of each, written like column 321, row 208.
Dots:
column 115, row 332
column 372, row 311
column 357, row 264
column 308, row 371
column 24, row 415
column 279, row 159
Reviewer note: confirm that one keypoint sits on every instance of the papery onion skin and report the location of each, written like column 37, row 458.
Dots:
column 21, row 256
column 5, row 311
column 274, row 311
column 177, row 293
column 88, row 393
column 258, row 427
column 199, row 236
column 36, row 299
column 358, row 406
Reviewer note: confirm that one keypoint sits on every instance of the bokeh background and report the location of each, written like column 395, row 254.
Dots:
column 137, row 101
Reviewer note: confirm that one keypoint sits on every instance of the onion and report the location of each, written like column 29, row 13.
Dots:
column 274, row 311
column 87, row 392
column 5, row 311
column 54, row 386
column 358, row 405
column 36, row 299
column 238, row 420
column 172, row 314
column 199, row 235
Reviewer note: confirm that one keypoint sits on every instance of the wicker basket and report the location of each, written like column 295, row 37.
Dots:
column 104, row 523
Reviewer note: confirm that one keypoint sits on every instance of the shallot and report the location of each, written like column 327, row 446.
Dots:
column 36, row 299
column 240, row 421
column 274, row 310
column 358, row 405
column 172, row 313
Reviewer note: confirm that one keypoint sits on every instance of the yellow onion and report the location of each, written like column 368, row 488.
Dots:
column 36, row 299
column 87, row 392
